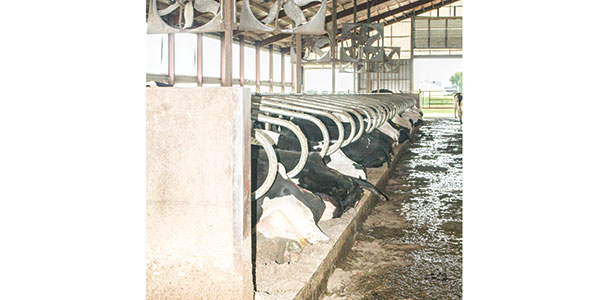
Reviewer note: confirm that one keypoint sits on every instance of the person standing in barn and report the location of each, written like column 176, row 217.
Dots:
column 457, row 107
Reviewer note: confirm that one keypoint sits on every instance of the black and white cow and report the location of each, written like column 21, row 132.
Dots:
column 390, row 131
column 403, row 132
column 341, row 190
column 336, row 160
column 285, row 210
column 371, row 150
column 410, row 118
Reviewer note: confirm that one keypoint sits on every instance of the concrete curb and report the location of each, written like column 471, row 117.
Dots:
column 316, row 284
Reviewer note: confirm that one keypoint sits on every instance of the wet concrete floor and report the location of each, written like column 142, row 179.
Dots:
column 411, row 246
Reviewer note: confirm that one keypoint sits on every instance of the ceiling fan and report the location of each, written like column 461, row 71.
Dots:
column 187, row 11
column 315, row 49
column 292, row 8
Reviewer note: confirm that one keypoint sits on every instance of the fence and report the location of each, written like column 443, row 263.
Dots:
column 436, row 99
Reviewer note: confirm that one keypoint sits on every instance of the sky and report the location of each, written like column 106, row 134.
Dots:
column 321, row 80
column 435, row 69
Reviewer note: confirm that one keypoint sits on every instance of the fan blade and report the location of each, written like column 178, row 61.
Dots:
column 294, row 13
column 318, row 51
column 272, row 13
column 188, row 15
column 168, row 9
column 368, row 50
column 372, row 39
column 321, row 42
column 207, row 6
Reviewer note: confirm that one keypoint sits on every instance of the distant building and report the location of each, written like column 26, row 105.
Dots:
column 451, row 89
column 430, row 86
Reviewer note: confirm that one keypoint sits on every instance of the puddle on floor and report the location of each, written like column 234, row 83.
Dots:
column 411, row 246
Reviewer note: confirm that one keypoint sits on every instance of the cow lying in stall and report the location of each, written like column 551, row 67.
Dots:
column 412, row 115
column 370, row 151
column 339, row 192
column 287, row 215
column 410, row 119
column 337, row 160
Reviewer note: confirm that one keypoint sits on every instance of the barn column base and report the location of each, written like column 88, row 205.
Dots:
column 198, row 243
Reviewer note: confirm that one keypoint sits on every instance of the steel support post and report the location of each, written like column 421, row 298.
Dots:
column 171, row 57
column 355, row 3
column 411, row 60
column 271, row 68
column 283, row 72
column 258, row 68
column 333, row 44
column 368, row 72
column 242, row 47
column 292, row 77
column 226, row 76
column 199, row 59
column 299, row 83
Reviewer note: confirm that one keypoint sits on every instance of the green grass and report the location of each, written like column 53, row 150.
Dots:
column 437, row 112
column 436, row 100
column 439, row 98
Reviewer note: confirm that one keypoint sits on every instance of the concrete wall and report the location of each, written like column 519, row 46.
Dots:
column 198, row 193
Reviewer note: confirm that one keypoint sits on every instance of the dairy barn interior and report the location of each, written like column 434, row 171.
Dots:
column 277, row 129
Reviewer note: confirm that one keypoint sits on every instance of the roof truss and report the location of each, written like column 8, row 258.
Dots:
column 383, row 11
column 408, row 10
